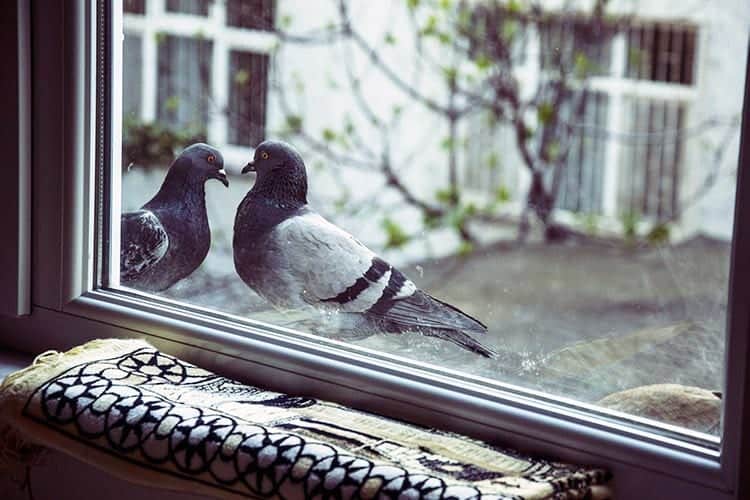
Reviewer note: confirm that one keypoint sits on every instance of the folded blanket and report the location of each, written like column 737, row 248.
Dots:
column 148, row 417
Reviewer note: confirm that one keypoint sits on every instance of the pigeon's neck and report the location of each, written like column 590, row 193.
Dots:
column 284, row 192
column 180, row 190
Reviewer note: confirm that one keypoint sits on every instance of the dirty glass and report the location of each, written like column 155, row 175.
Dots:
column 564, row 176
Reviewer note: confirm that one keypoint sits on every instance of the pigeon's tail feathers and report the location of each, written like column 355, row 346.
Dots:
column 422, row 311
column 425, row 314
column 463, row 340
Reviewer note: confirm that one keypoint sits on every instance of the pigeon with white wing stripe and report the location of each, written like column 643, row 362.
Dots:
column 168, row 238
column 294, row 258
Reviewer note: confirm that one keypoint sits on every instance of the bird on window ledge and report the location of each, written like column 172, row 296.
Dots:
column 168, row 238
column 294, row 258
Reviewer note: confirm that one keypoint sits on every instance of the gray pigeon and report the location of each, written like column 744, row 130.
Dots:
column 294, row 258
column 168, row 238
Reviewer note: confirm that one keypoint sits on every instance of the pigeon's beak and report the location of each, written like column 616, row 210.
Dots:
column 250, row 167
column 221, row 176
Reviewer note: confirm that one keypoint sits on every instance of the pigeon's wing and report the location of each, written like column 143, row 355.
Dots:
column 329, row 266
column 332, row 268
column 143, row 243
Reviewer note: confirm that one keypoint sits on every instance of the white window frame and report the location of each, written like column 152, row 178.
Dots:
column 225, row 38
column 67, row 310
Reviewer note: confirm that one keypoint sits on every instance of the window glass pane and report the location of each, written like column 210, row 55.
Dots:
column 132, row 79
column 661, row 53
column 134, row 6
column 247, row 97
column 196, row 7
column 184, row 82
column 565, row 178
column 252, row 14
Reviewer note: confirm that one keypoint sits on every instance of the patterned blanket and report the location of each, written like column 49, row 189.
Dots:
column 153, row 419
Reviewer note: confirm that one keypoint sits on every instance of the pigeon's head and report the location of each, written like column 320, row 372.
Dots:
column 275, row 156
column 280, row 170
column 202, row 162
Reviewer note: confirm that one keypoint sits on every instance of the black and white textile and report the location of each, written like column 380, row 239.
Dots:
column 151, row 418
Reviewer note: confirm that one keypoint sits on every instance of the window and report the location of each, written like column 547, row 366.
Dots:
column 195, row 7
column 251, row 14
column 651, row 185
column 247, row 104
column 661, row 53
column 581, row 183
column 381, row 371
column 627, row 138
column 187, row 78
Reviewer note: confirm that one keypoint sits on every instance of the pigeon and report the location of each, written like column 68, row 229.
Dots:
column 294, row 258
column 168, row 238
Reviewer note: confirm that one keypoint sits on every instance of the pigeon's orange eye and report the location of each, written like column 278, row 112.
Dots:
column 264, row 155
column 211, row 159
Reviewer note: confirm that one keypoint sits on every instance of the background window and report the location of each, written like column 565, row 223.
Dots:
column 661, row 53
column 195, row 7
column 650, row 182
column 251, row 14
column 184, row 82
column 581, row 184
column 247, row 97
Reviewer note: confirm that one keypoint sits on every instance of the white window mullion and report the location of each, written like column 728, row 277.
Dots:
column 614, row 124
column 217, row 130
column 154, row 8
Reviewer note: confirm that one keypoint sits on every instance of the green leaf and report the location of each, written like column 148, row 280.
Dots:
column 493, row 161
column 510, row 29
column 446, row 4
column 171, row 103
column 465, row 248
column 483, row 62
column 659, row 234
column 450, row 75
column 502, row 194
column 329, row 135
column 160, row 37
column 629, row 221
column 447, row 144
column 545, row 112
column 431, row 221
column 241, row 77
column 582, row 65
column 389, row 39
column 395, row 235
column 294, row 123
column 553, row 151
column 430, row 27
column 513, row 6
column 412, row 4
column 285, row 21
column 447, row 195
